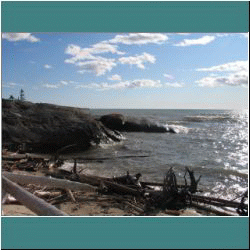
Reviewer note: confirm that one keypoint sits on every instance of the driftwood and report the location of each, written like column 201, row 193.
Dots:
column 146, row 184
column 14, row 157
column 241, row 208
column 194, row 182
column 8, row 199
column 217, row 202
column 128, row 180
column 174, row 196
column 121, row 189
column 70, row 194
column 138, row 209
column 213, row 210
column 110, row 158
column 170, row 195
column 46, row 194
column 35, row 204
column 92, row 180
column 55, row 199
column 115, row 184
column 49, row 182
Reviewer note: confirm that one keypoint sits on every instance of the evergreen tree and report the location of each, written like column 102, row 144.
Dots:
column 11, row 98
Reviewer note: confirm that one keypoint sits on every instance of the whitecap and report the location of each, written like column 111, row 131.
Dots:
column 178, row 128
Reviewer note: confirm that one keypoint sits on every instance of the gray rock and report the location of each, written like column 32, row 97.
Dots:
column 47, row 127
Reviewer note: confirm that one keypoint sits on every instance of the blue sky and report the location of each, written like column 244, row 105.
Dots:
column 128, row 70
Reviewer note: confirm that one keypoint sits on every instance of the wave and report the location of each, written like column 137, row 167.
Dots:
column 178, row 128
column 210, row 118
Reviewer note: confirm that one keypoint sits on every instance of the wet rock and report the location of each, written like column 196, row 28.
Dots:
column 119, row 122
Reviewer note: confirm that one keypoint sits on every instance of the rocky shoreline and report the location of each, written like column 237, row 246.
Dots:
column 41, row 127
column 47, row 128
column 29, row 128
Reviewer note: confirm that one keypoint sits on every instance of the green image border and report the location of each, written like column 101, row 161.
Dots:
column 125, row 232
column 131, row 16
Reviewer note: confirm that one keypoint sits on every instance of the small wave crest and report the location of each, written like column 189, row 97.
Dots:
column 178, row 128
column 210, row 118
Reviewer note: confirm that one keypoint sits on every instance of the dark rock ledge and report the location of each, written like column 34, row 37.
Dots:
column 45, row 127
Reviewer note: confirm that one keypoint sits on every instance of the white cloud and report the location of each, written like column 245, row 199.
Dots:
column 222, row 34
column 51, row 86
column 15, row 37
column 174, row 84
column 105, row 47
column 233, row 79
column 140, row 38
column 89, row 61
column 246, row 35
column 232, row 66
column 183, row 34
column 11, row 85
column 200, row 41
column 85, row 86
column 143, row 83
column 237, row 75
column 138, row 60
column 81, row 54
column 99, row 66
column 168, row 76
column 115, row 78
column 64, row 82
column 77, row 54
column 87, row 58
column 47, row 66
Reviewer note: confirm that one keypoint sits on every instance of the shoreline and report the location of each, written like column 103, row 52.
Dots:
column 89, row 203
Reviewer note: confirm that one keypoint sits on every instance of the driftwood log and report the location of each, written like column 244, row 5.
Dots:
column 49, row 182
column 170, row 195
column 35, row 204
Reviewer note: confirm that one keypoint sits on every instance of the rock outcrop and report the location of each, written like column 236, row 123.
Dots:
column 119, row 122
column 47, row 128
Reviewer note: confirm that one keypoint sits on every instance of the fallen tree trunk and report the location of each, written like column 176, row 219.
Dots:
column 35, row 204
column 214, row 210
column 49, row 182
column 157, row 184
column 95, row 181
column 217, row 202
column 14, row 157
column 121, row 188
column 110, row 158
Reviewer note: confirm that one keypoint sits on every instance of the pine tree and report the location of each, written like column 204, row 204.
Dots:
column 11, row 98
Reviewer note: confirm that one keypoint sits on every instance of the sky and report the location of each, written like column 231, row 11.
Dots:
column 128, row 70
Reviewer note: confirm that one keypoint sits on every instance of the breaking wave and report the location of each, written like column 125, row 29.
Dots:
column 178, row 128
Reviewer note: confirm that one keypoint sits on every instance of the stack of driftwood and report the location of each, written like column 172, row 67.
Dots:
column 41, row 192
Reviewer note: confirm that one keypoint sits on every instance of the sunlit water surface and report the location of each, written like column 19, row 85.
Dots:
column 213, row 143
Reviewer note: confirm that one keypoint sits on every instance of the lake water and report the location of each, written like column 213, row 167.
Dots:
column 213, row 143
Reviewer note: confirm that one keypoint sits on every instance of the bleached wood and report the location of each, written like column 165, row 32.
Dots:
column 49, row 182
column 35, row 204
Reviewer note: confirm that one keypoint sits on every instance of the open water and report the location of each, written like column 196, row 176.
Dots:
column 213, row 143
